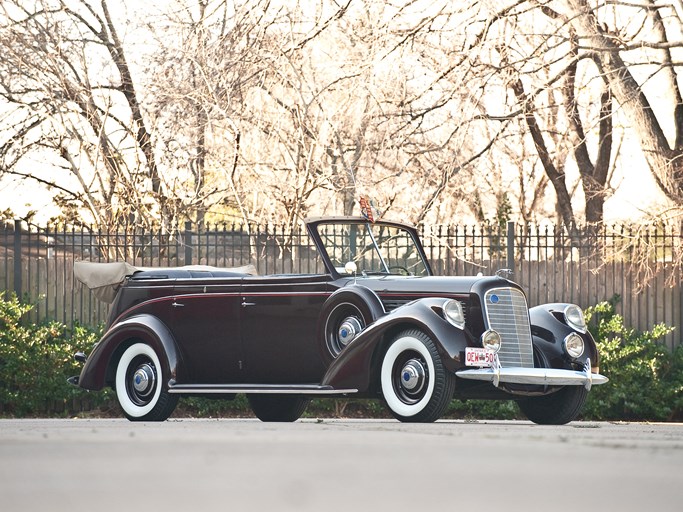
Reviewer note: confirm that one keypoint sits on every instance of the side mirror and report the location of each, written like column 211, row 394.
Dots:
column 351, row 268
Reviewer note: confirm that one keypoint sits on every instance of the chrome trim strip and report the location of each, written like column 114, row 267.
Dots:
column 273, row 389
column 238, row 293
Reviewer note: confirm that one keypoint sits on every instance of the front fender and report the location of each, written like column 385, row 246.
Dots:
column 146, row 328
column 355, row 366
column 549, row 329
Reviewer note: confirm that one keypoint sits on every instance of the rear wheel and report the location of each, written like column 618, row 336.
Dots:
column 415, row 385
column 139, row 385
column 279, row 408
column 559, row 408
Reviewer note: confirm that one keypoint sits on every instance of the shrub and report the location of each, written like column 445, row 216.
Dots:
column 646, row 378
column 35, row 361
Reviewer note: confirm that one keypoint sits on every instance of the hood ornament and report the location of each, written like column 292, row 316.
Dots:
column 504, row 273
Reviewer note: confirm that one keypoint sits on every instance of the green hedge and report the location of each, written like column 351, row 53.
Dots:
column 36, row 360
column 646, row 379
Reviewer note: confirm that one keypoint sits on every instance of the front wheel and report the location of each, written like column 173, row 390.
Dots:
column 280, row 408
column 139, row 385
column 559, row 408
column 415, row 385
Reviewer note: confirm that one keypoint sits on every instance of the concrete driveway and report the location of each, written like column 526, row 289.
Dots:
column 338, row 465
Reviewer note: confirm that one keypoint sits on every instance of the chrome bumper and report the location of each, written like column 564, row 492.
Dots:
column 541, row 376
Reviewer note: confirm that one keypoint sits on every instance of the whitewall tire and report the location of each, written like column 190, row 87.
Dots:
column 415, row 385
column 139, row 385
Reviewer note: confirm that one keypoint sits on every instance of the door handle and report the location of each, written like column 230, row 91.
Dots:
column 247, row 304
column 177, row 305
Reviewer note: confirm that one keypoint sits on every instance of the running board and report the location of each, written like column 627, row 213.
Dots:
column 273, row 389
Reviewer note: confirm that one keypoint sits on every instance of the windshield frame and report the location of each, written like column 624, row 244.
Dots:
column 313, row 226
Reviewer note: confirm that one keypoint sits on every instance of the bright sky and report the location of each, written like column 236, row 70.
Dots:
column 637, row 195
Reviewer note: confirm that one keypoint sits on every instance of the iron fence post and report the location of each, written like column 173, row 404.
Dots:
column 511, row 246
column 17, row 258
column 187, row 242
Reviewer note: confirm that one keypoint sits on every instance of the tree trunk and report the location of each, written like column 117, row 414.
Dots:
column 665, row 163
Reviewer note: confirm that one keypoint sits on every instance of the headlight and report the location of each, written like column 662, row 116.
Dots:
column 452, row 310
column 574, row 317
column 573, row 345
column 491, row 340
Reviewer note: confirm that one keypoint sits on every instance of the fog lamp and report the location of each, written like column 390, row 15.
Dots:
column 491, row 340
column 573, row 345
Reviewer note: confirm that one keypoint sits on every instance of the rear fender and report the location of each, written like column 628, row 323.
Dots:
column 356, row 366
column 100, row 364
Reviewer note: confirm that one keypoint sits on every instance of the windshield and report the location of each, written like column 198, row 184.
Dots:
column 376, row 249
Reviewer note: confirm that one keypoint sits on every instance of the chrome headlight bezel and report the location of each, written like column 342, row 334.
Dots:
column 573, row 315
column 573, row 345
column 454, row 313
column 491, row 340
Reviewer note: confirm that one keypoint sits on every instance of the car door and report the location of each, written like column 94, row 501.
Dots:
column 279, row 318
column 206, row 325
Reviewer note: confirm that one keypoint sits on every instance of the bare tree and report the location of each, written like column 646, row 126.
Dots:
column 633, row 44
column 534, row 52
column 73, row 103
column 207, row 61
column 272, row 111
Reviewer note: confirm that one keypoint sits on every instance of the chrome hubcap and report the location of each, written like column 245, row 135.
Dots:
column 144, row 379
column 348, row 330
column 413, row 376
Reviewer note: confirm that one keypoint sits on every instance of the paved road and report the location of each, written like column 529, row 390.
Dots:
column 338, row 465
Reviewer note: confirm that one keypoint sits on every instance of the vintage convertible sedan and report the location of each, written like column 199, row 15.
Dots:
column 376, row 324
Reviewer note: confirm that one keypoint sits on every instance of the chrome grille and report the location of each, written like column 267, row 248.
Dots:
column 507, row 313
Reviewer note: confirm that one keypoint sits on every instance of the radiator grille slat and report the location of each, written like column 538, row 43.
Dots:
column 391, row 304
column 507, row 313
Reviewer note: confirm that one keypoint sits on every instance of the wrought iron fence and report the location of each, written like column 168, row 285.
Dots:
column 641, row 264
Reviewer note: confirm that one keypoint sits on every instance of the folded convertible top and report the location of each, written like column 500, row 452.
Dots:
column 104, row 279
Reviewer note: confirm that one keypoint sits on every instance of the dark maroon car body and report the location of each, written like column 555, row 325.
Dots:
column 380, row 331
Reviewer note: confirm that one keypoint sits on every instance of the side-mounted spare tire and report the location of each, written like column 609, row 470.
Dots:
column 345, row 314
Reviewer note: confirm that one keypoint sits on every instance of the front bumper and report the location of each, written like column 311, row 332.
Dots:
column 540, row 376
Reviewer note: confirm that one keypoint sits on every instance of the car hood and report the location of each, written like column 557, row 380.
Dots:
column 432, row 285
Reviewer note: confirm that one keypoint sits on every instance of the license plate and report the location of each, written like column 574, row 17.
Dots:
column 476, row 356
